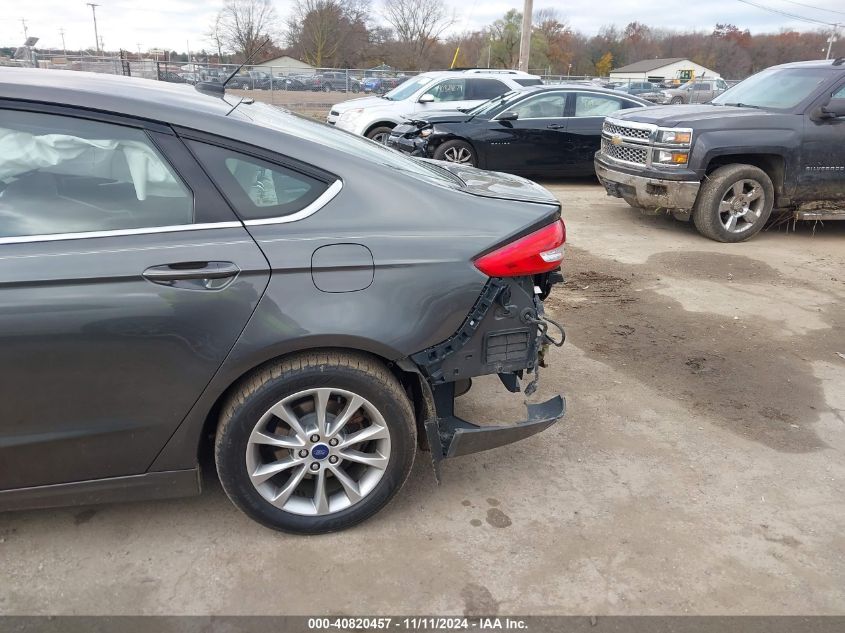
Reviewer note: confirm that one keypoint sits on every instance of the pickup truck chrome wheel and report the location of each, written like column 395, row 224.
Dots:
column 742, row 205
column 733, row 203
column 318, row 451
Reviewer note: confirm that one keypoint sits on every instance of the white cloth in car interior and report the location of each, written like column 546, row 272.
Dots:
column 21, row 152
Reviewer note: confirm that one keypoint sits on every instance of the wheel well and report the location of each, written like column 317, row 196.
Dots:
column 772, row 164
column 389, row 124
column 413, row 383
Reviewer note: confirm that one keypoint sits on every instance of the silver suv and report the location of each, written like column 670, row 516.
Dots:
column 374, row 116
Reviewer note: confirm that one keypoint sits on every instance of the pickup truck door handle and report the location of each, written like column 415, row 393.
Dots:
column 555, row 126
column 167, row 274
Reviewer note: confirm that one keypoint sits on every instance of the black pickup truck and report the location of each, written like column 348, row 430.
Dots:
column 773, row 141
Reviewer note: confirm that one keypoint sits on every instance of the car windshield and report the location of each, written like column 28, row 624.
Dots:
column 496, row 103
column 776, row 88
column 272, row 117
column 406, row 89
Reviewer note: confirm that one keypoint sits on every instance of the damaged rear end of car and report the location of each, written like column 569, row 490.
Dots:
column 506, row 332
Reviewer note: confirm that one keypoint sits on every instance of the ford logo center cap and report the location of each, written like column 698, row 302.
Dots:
column 321, row 451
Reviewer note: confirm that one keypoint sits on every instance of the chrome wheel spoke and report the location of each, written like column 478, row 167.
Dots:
column 352, row 405
column 730, row 223
column 349, row 485
column 287, row 416
column 321, row 499
column 372, row 432
column 266, row 471
column 739, row 188
column 376, row 460
column 321, row 403
column 279, row 441
column 755, row 194
column 724, row 206
column 284, row 493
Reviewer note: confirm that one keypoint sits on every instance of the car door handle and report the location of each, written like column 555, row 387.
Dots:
column 555, row 126
column 169, row 273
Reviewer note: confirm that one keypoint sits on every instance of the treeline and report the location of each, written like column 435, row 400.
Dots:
column 410, row 35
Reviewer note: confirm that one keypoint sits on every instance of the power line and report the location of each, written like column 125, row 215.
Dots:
column 789, row 15
column 810, row 6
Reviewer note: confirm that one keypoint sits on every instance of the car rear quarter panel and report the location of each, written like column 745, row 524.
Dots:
column 422, row 237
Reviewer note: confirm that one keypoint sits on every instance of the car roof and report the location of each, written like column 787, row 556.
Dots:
column 572, row 86
column 479, row 72
column 132, row 96
column 816, row 63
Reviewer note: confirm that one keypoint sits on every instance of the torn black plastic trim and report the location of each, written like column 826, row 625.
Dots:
column 450, row 436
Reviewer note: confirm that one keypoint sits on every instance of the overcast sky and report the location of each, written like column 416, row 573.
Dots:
column 177, row 24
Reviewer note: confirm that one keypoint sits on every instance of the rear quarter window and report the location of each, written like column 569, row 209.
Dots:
column 256, row 188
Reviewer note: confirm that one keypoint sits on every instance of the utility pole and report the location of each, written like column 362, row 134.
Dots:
column 25, row 33
column 525, row 40
column 94, row 13
column 64, row 48
column 832, row 39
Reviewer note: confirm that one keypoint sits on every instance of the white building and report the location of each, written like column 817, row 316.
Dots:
column 286, row 65
column 657, row 70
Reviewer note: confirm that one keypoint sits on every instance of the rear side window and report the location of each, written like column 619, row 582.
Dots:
column 258, row 189
column 587, row 104
column 485, row 88
column 529, row 82
column 62, row 175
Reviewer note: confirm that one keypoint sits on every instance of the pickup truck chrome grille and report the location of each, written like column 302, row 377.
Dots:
column 626, row 153
column 631, row 133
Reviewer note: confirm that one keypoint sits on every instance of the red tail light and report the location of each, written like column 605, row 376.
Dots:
column 537, row 252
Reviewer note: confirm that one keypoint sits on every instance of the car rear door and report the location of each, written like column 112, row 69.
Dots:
column 587, row 111
column 125, row 280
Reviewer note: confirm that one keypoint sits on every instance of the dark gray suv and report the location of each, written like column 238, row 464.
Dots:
column 176, row 266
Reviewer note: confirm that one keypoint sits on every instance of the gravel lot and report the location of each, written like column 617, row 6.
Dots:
column 699, row 468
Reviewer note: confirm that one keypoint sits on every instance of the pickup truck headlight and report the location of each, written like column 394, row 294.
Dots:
column 674, row 137
column 677, row 158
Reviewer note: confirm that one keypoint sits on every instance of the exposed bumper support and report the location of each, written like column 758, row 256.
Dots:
column 649, row 193
column 451, row 436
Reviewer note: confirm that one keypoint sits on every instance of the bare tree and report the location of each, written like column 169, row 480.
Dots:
column 327, row 32
column 418, row 24
column 243, row 25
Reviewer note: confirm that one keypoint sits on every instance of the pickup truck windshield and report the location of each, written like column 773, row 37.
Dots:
column 776, row 88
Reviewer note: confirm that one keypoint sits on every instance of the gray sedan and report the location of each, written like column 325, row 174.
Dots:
column 185, row 274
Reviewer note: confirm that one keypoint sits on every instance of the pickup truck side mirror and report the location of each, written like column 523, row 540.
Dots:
column 510, row 115
column 427, row 98
column 834, row 109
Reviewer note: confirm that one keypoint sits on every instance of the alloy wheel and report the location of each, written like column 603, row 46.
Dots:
column 458, row 155
column 742, row 205
column 318, row 451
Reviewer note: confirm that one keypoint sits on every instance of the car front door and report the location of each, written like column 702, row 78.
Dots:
column 822, row 175
column 583, row 133
column 125, row 280
column 532, row 143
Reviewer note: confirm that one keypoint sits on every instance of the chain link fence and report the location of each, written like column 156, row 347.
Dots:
column 300, row 88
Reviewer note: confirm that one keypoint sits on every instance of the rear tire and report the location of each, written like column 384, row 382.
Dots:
column 290, row 471
column 456, row 151
column 734, row 203
column 676, row 101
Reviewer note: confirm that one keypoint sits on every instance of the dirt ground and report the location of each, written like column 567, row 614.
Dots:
column 698, row 470
column 306, row 102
